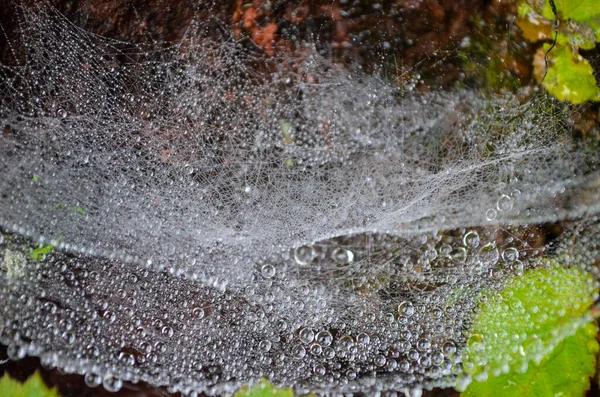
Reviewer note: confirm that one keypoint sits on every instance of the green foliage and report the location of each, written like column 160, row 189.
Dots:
column 33, row 387
column 264, row 389
column 40, row 253
column 534, row 326
column 576, row 10
column 570, row 76
column 564, row 372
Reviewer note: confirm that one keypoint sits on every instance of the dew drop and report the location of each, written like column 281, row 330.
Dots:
column 489, row 254
column 267, row 271
column 304, row 255
column 112, row 383
column 471, row 239
column 363, row 339
column 298, row 351
column 324, row 338
column 510, row 254
column 342, row 256
column 92, row 379
column 406, row 308
column 380, row 360
column 198, row 312
column 491, row 214
column 264, row 345
column 306, row 335
column 504, row 203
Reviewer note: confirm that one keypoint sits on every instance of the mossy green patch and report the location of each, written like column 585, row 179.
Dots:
column 14, row 264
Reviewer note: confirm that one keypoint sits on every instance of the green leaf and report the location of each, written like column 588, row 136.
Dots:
column 570, row 77
column 575, row 10
column 532, row 339
column 565, row 372
column 40, row 253
column 264, row 389
column 79, row 210
column 33, row 387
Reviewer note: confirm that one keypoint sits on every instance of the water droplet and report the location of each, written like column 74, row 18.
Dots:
column 198, row 312
column 449, row 348
column 92, row 379
column 264, row 345
column 324, row 338
column 62, row 113
column 459, row 254
column 471, row 239
column 342, row 256
column 423, row 345
column 504, row 203
column 306, row 335
column 510, row 254
column 489, row 254
column 346, row 342
column 316, row 349
column 267, row 271
column 406, row 308
column 112, row 383
column 437, row 358
column 328, row 353
column 304, row 255
column 517, row 267
column 380, row 360
column 363, row 339
column 491, row 214
column 298, row 351
column 475, row 343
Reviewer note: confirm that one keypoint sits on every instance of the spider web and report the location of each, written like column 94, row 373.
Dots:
column 215, row 224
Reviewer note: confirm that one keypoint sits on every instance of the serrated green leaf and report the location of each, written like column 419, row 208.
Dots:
column 264, row 389
column 518, row 340
column 570, row 77
column 33, row 387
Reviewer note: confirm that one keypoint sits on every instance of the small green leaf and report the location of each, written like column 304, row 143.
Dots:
column 264, row 389
column 570, row 77
column 533, row 327
column 33, row 387
column 40, row 253
column 79, row 210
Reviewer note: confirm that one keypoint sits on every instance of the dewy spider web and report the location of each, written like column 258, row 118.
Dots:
column 215, row 225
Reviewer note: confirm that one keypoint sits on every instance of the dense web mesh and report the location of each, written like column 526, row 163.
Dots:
column 215, row 224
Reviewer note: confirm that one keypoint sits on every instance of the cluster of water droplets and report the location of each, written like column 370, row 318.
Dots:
column 213, row 225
